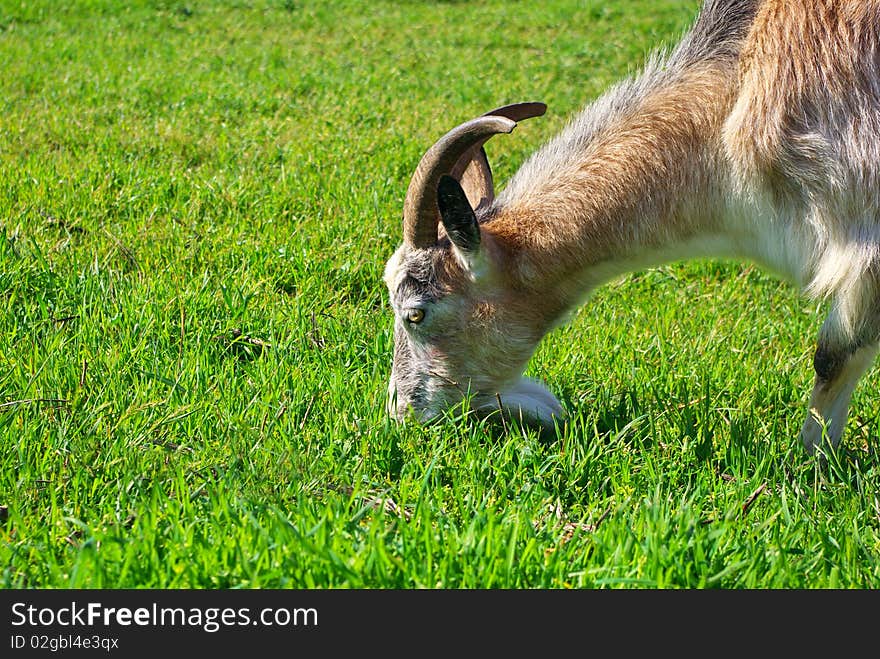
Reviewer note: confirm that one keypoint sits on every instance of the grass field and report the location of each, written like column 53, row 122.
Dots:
column 196, row 203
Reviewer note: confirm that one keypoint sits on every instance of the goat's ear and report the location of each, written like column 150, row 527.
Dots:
column 457, row 216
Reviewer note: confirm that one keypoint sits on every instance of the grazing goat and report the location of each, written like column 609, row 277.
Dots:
column 757, row 137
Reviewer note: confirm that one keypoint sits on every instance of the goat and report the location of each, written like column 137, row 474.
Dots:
column 756, row 137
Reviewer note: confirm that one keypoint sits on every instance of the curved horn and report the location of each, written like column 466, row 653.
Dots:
column 472, row 169
column 420, row 213
column 459, row 153
column 519, row 111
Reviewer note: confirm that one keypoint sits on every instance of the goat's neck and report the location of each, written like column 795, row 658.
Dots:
column 644, row 190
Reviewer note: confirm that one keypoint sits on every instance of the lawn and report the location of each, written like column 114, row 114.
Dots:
column 197, row 200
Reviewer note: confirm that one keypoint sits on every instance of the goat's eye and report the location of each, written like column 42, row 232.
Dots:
column 415, row 315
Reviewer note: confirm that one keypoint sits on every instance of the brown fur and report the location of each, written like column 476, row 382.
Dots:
column 635, row 183
column 802, row 60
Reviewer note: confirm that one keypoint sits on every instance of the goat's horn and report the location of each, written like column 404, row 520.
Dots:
column 420, row 213
column 472, row 169
column 519, row 111
column 454, row 151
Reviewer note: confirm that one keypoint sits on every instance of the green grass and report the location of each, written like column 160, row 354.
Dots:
column 196, row 204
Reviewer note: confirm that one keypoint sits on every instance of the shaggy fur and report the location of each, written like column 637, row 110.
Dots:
column 757, row 136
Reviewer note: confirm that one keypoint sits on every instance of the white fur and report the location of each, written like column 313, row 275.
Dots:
column 527, row 400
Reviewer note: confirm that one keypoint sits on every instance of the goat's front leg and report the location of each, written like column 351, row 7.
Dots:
column 838, row 365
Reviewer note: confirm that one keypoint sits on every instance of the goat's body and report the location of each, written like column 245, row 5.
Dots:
column 757, row 137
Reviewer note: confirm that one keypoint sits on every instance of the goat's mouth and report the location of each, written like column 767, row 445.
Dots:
column 526, row 402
